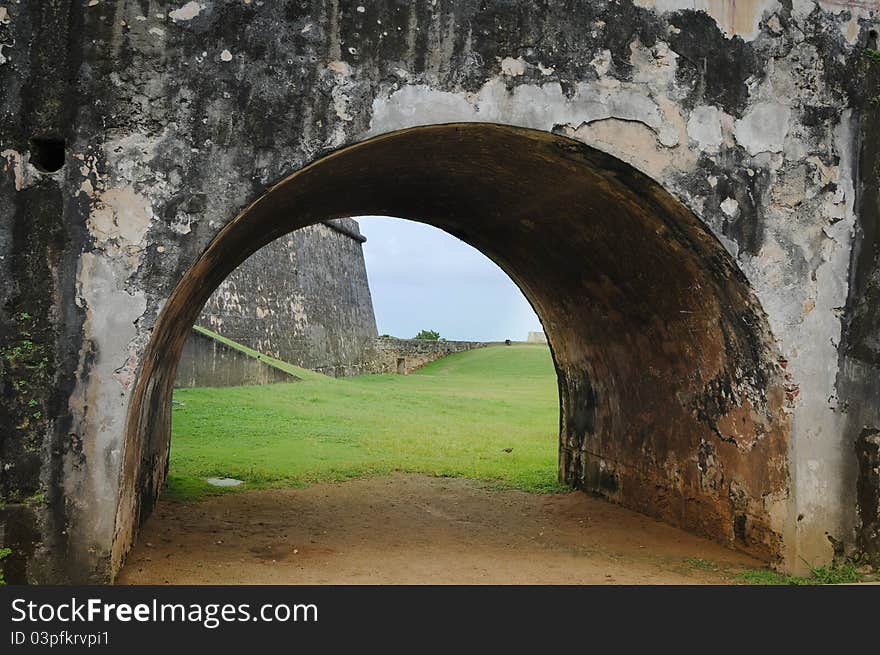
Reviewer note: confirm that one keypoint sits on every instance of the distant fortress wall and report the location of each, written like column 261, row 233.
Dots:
column 304, row 299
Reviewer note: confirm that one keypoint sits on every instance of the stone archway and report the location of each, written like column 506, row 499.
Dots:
column 671, row 391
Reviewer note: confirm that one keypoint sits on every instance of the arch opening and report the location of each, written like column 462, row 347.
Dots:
column 672, row 395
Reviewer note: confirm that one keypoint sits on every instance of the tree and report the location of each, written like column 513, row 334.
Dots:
column 428, row 335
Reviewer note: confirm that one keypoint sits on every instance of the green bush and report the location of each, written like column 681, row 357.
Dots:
column 428, row 335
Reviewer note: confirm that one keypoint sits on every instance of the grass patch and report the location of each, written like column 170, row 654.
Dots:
column 839, row 574
column 489, row 414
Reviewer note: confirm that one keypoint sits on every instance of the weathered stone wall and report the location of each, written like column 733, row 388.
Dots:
column 402, row 356
column 171, row 119
column 859, row 374
column 303, row 298
column 206, row 362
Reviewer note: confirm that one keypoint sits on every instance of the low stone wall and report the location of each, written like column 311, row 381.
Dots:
column 206, row 362
column 402, row 356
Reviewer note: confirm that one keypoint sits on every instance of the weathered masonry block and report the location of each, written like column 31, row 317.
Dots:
column 685, row 191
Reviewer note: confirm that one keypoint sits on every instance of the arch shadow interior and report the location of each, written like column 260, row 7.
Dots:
column 671, row 393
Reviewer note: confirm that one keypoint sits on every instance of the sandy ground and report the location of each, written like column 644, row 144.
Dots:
column 416, row 529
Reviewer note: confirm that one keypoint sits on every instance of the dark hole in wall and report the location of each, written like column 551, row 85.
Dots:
column 872, row 39
column 47, row 154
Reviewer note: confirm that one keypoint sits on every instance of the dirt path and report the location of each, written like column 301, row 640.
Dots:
column 417, row 529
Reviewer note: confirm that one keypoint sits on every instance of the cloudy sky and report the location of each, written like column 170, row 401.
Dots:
column 423, row 278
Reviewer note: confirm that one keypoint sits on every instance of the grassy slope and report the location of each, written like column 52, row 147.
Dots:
column 296, row 371
column 454, row 417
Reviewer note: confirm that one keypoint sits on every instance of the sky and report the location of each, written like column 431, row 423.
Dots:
column 422, row 278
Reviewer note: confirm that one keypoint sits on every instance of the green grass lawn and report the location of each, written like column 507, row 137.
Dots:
column 454, row 417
